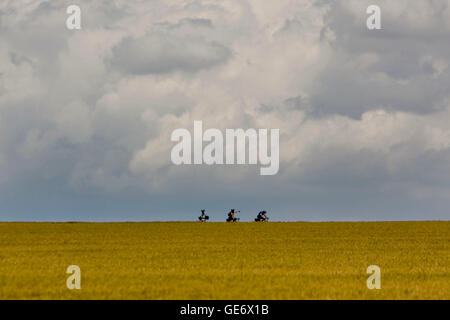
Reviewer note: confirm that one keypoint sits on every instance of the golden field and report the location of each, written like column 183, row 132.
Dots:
column 225, row 261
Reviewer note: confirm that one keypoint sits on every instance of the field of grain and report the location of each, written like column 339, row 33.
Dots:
column 225, row 261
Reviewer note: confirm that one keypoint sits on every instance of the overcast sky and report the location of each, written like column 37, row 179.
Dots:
column 86, row 115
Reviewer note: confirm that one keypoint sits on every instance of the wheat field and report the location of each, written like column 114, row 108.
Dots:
column 180, row 260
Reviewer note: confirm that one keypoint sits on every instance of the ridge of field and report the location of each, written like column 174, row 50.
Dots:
column 185, row 260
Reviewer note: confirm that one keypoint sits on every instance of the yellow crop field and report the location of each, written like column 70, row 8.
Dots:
column 225, row 261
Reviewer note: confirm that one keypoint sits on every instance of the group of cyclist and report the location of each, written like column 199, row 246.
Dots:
column 231, row 216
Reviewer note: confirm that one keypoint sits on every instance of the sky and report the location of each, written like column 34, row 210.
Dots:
column 86, row 115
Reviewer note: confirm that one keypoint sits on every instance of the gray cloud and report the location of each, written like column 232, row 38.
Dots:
column 86, row 116
column 164, row 53
column 404, row 66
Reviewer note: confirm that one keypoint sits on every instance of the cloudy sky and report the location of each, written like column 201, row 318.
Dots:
column 86, row 115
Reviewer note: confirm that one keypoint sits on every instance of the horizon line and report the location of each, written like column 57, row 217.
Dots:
column 192, row 221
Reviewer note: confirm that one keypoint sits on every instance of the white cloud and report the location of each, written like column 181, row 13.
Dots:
column 95, row 108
